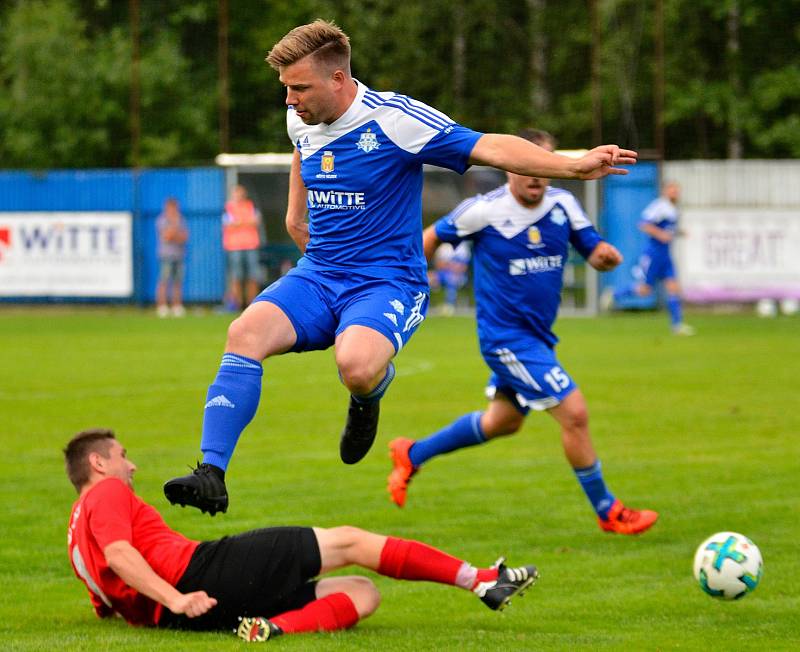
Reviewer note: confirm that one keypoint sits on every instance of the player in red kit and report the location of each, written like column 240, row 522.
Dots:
column 260, row 583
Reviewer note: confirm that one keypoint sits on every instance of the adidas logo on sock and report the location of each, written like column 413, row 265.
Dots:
column 220, row 401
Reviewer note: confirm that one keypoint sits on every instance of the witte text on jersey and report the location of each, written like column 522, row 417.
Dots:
column 521, row 266
column 336, row 199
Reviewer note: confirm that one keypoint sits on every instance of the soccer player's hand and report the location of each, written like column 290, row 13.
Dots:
column 605, row 257
column 192, row 604
column 600, row 161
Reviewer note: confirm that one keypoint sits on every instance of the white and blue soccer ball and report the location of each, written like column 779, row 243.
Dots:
column 728, row 566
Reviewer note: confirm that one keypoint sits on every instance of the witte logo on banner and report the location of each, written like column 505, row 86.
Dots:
column 66, row 254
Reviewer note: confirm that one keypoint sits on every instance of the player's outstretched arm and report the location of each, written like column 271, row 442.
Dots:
column 296, row 223
column 520, row 156
column 133, row 569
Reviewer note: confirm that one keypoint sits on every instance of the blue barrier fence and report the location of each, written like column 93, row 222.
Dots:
column 624, row 199
column 200, row 192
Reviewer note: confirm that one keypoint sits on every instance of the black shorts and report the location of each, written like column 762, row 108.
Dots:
column 258, row 573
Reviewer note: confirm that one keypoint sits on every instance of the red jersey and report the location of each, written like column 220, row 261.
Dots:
column 110, row 512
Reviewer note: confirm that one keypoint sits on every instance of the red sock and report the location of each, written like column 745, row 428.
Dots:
column 334, row 611
column 411, row 560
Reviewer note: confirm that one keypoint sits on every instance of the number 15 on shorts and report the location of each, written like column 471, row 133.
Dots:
column 557, row 379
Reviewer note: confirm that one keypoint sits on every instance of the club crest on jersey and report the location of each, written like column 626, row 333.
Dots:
column 368, row 141
column 557, row 216
column 326, row 164
column 534, row 235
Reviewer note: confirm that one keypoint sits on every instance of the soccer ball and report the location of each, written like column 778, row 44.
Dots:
column 766, row 308
column 728, row 565
column 790, row 306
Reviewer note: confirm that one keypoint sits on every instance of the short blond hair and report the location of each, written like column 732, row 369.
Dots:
column 329, row 45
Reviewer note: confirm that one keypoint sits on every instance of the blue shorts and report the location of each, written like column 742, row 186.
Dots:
column 243, row 265
column 321, row 305
column 526, row 371
column 653, row 268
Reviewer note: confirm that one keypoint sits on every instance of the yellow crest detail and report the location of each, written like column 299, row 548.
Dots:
column 327, row 162
column 534, row 236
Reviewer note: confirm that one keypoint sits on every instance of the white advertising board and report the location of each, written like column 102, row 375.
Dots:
column 66, row 254
column 739, row 254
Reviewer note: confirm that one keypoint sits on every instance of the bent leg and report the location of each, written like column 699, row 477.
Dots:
column 472, row 429
column 341, row 602
column 363, row 357
column 572, row 416
column 395, row 557
column 232, row 400
column 675, row 307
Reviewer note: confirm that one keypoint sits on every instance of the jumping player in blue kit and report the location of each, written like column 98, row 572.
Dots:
column 361, row 284
column 520, row 234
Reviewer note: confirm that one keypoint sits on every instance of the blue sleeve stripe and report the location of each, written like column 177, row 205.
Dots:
column 418, row 108
column 372, row 95
column 438, row 126
column 463, row 206
column 496, row 193
column 421, row 119
column 394, row 103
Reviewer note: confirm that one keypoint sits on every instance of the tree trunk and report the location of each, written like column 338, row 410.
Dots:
column 537, row 41
column 735, row 80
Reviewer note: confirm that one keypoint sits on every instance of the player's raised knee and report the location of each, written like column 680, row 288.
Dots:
column 364, row 594
column 347, row 535
column 240, row 332
column 356, row 375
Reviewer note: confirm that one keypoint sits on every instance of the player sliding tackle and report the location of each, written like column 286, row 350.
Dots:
column 354, row 210
column 521, row 234
column 259, row 583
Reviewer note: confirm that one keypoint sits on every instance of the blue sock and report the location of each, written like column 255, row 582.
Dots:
column 451, row 295
column 377, row 393
column 591, row 479
column 231, row 404
column 627, row 292
column 674, row 307
column 464, row 431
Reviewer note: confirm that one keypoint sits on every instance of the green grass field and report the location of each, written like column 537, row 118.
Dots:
column 703, row 429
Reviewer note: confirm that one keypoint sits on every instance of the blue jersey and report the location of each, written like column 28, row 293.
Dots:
column 519, row 255
column 363, row 174
column 660, row 212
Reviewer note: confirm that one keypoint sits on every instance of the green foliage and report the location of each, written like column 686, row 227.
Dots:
column 700, row 429
column 65, row 74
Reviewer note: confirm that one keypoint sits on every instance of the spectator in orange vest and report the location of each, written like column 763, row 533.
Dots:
column 241, row 241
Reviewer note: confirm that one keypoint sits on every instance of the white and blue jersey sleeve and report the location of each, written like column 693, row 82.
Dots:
column 363, row 174
column 519, row 254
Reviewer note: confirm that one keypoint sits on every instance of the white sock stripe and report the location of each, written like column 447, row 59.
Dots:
column 232, row 360
column 476, row 425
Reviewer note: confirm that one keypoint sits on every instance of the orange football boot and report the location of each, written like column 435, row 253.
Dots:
column 403, row 471
column 627, row 521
